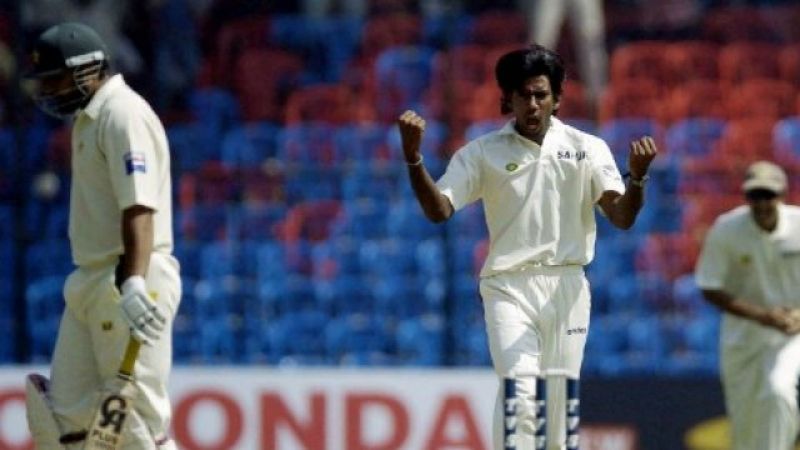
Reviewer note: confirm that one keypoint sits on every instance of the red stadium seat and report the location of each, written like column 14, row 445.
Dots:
column 702, row 209
column 732, row 24
column 323, row 102
column 634, row 98
column 668, row 254
column 574, row 103
column 699, row 98
column 639, row 60
column 390, row 30
column 310, row 221
column 263, row 80
column 464, row 62
column 496, row 27
column 233, row 39
column 762, row 98
column 746, row 61
column 691, row 60
column 789, row 64
column 743, row 142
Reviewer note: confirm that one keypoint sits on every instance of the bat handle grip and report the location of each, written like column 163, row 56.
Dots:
column 128, row 361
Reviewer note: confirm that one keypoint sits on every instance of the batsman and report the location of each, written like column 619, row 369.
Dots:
column 108, row 381
column 539, row 180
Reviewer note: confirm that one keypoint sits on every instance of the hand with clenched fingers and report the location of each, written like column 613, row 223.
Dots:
column 412, row 127
column 642, row 153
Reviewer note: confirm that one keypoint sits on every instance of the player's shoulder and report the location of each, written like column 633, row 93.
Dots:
column 579, row 139
column 732, row 221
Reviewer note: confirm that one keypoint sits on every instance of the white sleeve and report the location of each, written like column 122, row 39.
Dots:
column 130, row 147
column 713, row 263
column 605, row 174
column 461, row 181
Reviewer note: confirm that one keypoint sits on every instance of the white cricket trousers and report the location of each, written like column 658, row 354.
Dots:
column 537, row 320
column 91, row 342
column 760, row 386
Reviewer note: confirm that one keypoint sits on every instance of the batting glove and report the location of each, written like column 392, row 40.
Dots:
column 140, row 311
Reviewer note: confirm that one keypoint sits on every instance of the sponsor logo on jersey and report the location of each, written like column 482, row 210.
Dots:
column 566, row 154
column 134, row 162
column 576, row 330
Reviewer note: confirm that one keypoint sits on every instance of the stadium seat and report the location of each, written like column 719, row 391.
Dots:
column 259, row 222
column 235, row 38
column 46, row 258
column 390, row 256
column 693, row 138
column 639, row 60
column 420, row 341
column 249, row 145
column 363, row 219
column 263, row 185
column 357, row 339
column 335, row 257
column 462, row 62
column 329, row 103
column 497, row 27
column 739, row 23
column 696, row 99
column 263, row 79
column 389, row 30
column 379, row 183
column 44, row 303
column 789, row 64
column 634, row 98
column 214, row 108
column 363, row 143
column 403, row 74
column 786, row 141
column 308, row 144
column 744, row 61
column 688, row 61
column 406, row 221
column 213, row 184
column 668, row 255
column 187, row 147
column 744, row 141
column 762, row 99
column 306, row 183
column 618, row 134
column 206, row 222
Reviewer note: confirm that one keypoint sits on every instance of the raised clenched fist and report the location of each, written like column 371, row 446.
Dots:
column 412, row 127
column 641, row 155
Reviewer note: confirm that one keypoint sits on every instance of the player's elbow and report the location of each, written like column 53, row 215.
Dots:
column 438, row 216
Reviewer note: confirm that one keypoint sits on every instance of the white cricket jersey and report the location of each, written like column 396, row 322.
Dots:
column 538, row 200
column 120, row 158
column 752, row 265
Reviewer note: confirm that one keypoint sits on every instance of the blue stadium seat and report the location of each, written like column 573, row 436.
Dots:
column 357, row 339
column 217, row 341
column 420, row 340
column 190, row 148
column 407, row 221
column 326, row 43
column 51, row 257
column 207, row 222
column 618, row 134
column 259, row 222
column 372, row 181
column 307, row 145
column 403, row 74
column 361, row 219
column 214, row 108
column 446, row 30
column 45, row 304
column 361, row 144
column 310, row 183
column 786, row 138
column 271, row 261
column 334, row 257
column 469, row 222
column 299, row 335
column 219, row 260
column 692, row 138
column 249, row 144
column 430, row 258
column 387, row 257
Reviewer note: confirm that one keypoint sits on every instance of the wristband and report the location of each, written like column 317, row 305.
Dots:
column 418, row 163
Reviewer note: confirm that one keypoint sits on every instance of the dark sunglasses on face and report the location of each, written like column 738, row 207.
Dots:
column 760, row 194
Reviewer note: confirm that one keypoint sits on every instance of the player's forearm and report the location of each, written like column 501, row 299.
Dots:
column 731, row 305
column 437, row 207
column 626, row 207
column 137, row 241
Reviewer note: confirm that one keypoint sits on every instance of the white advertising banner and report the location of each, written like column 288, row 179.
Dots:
column 247, row 408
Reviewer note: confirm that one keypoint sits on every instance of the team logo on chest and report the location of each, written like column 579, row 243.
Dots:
column 510, row 167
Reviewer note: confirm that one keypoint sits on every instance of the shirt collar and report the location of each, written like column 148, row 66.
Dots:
column 102, row 94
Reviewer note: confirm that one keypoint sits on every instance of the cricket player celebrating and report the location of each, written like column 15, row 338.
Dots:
column 539, row 180
column 126, row 283
column 750, row 268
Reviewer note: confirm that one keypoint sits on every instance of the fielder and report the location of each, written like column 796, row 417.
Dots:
column 750, row 269
column 120, row 229
column 539, row 180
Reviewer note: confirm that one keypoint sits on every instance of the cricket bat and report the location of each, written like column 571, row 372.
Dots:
column 115, row 405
